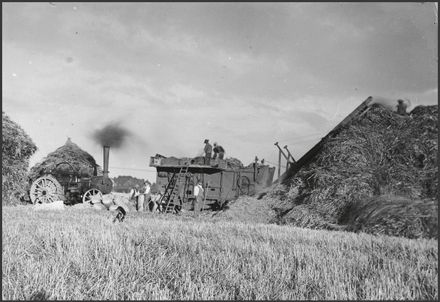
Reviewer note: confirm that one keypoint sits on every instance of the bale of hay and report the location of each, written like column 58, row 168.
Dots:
column 17, row 148
column 82, row 162
column 380, row 153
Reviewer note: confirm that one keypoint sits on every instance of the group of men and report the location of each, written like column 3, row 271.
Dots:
column 145, row 198
column 218, row 151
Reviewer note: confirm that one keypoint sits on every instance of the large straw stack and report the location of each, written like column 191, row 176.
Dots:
column 380, row 154
column 17, row 148
column 82, row 162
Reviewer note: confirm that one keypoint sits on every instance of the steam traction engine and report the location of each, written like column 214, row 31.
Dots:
column 70, row 186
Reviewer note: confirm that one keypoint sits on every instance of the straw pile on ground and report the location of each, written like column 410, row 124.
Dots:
column 394, row 215
column 17, row 148
column 374, row 159
column 246, row 209
column 82, row 162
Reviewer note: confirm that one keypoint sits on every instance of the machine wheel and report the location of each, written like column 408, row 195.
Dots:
column 46, row 189
column 244, row 185
column 90, row 195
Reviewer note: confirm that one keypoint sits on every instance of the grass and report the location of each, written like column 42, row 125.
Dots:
column 80, row 254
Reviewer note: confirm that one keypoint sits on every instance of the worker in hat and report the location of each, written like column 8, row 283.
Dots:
column 155, row 198
column 120, row 208
column 218, row 150
column 120, row 214
column 401, row 107
column 134, row 194
column 144, row 195
column 198, row 194
column 208, row 152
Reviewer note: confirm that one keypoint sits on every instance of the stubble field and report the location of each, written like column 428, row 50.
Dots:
column 80, row 254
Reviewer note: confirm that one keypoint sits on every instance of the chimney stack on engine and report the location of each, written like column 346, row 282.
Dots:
column 106, row 150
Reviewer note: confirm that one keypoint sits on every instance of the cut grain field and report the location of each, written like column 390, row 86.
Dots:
column 79, row 254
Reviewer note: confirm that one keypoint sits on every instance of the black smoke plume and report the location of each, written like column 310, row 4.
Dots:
column 112, row 135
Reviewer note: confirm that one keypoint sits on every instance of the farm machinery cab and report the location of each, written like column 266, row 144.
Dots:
column 64, row 182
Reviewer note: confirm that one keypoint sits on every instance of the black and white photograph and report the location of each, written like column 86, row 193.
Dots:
column 219, row 151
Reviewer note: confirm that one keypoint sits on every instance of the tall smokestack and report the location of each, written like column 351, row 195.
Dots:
column 106, row 150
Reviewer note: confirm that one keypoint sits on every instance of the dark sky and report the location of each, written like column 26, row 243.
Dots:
column 243, row 74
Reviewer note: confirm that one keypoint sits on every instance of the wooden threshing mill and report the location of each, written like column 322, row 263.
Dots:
column 223, row 180
column 64, row 182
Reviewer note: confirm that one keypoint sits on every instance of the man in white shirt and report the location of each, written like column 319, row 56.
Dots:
column 145, row 199
column 198, row 194
column 134, row 194
column 155, row 198
column 143, row 192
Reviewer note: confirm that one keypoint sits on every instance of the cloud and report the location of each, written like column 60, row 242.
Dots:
column 245, row 74
column 185, row 92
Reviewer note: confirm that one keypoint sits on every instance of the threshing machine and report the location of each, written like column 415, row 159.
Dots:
column 223, row 180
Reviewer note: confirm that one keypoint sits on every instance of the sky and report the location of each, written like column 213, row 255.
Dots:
column 245, row 75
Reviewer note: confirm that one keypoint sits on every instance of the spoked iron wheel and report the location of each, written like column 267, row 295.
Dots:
column 46, row 189
column 92, row 195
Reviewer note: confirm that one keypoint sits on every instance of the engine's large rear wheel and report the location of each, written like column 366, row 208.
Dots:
column 46, row 189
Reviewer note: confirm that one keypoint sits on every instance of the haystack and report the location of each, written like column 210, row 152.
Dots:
column 17, row 148
column 82, row 162
column 381, row 154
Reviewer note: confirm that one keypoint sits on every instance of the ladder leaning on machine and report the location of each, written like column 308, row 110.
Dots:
column 171, row 194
